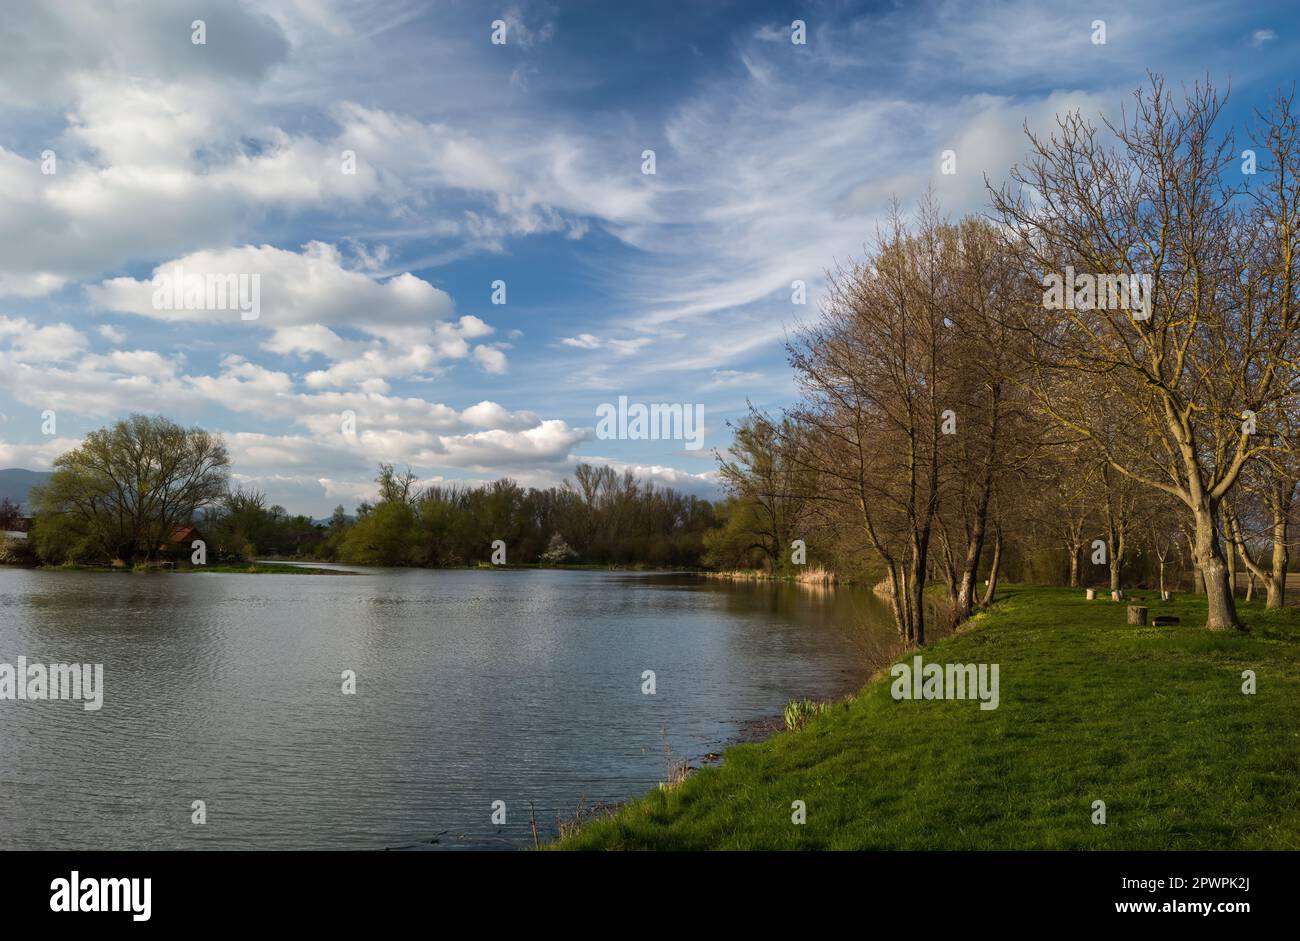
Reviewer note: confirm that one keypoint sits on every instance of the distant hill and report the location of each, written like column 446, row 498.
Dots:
column 326, row 520
column 15, row 483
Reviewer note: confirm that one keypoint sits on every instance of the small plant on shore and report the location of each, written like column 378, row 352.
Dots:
column 583, row 815
column 675, row 769
column 799, row 712
column 816, row 575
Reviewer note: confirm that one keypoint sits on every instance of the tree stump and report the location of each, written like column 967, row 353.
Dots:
column 1137, row 614
column 1092, row 594
column 1117, row 595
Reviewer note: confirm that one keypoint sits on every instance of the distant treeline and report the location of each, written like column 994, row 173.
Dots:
column 145, row 491
column 599, row 516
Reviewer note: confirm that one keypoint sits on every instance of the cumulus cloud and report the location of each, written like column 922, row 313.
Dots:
column 29, row 342
column 549, row 441
column 38, row 455
column 51, row 47
column 491, row 359
column 304, row 288
column 491, row 415
column 304, row 298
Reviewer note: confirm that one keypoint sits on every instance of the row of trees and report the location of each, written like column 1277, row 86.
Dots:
column 953, row 415
column 598, row 516
column 241, row 526
column 131, row 492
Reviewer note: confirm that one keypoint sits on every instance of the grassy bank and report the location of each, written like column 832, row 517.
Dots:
column 1151, row 720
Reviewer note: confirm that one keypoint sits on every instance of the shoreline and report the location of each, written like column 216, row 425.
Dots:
column 879, row 772
column 315, row 567
column 260, row 568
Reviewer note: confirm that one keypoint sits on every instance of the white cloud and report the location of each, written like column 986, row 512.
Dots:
column 620, row 347
column 491, row 415
column 491, row 359
column 725, row 378
column 38, row 455
column 628, row 347
column 305, row 297
column 297, row 288
column 35, row 344
column 496, row 450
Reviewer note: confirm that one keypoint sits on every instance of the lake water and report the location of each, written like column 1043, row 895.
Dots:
column 471, row 687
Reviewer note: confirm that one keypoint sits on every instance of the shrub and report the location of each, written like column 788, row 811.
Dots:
column 799, row 712
column 17, row 552
column 558, row 552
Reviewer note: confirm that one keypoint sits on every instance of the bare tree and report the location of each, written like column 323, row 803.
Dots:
column 987, row 431
column 1158, row 387
column 875, row 371
column 760, row 470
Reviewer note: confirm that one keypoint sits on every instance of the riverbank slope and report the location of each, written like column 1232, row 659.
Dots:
column 1150, row 720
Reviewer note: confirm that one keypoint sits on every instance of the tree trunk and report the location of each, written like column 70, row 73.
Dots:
column 898, row 601
column 1276, row 582
column 1230, row 557
column 1074, row 567
column 975, row 537
column 1221, row 607
column 1274, row 577
column 970, row 571
column 994, row 568
column 916, row 598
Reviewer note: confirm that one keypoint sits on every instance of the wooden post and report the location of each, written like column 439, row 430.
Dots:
column 1137, row 614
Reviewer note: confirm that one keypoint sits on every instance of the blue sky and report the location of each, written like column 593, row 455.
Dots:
column 519, row 162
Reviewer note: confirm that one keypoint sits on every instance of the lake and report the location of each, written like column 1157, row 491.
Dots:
column 522, row 686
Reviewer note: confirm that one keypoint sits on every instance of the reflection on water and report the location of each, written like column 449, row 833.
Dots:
column 472, row 687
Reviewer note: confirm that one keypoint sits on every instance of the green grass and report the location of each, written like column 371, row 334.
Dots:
column 1151, row 720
